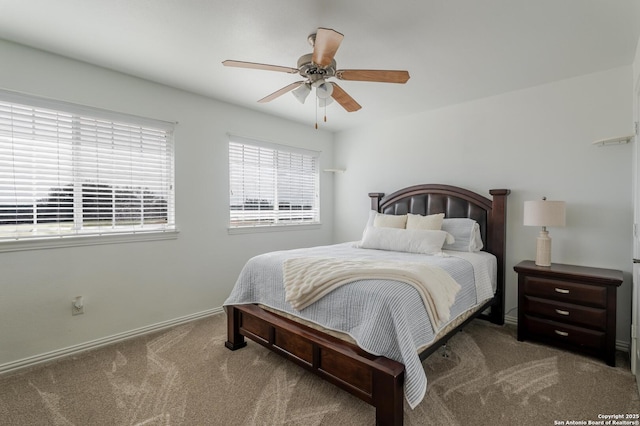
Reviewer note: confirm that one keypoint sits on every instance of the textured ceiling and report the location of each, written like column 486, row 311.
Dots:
column 454, row 50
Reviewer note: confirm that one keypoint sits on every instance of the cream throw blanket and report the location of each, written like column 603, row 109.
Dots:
column 307, row 279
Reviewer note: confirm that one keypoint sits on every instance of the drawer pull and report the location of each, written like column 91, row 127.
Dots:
column 562, row 290
column 561, row 333
column 561, row 312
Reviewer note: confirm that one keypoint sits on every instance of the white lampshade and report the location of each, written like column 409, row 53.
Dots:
column 301, row 92
column 323, row 102
column 324, row 89
column 544, row 213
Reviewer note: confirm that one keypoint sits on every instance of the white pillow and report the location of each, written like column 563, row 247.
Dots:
column 429, row 222
column 466, row 233
column 372, row 218
column 411, row 241
column 389, row 221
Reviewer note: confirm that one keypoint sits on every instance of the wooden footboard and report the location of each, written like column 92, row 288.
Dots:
column 374, row 379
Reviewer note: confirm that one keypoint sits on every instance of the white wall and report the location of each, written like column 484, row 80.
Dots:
column 635, row 339
column 536, row 142
column 127, row 286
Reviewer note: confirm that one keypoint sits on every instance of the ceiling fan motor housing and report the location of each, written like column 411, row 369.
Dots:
column 315, row 72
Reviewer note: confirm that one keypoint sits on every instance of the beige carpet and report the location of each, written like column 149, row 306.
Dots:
column 185, row 376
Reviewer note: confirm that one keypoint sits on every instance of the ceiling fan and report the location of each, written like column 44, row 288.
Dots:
column 319, row 66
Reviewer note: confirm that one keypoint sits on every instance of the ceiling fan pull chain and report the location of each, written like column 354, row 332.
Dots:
column 316, row 104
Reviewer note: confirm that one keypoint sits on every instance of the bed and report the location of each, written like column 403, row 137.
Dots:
column 380, row 375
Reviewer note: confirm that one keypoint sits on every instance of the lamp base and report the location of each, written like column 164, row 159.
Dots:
column 543, row 249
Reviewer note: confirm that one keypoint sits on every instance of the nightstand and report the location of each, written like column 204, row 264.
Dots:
column 568, row 306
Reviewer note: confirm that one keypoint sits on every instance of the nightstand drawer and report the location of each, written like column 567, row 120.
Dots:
column 566, row 312
column 566, row 334
column 566, row 291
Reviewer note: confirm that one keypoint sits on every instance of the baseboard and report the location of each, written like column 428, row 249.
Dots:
column 94, row 344
column 621, row 345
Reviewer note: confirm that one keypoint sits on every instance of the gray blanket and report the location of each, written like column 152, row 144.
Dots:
column 386, row 318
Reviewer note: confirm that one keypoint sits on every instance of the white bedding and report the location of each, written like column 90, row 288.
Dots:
column 385, row 318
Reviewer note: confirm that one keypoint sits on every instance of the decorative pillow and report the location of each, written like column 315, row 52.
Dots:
column 466, row 233
column 429, row 222
column 411, row 241
column 389, row 221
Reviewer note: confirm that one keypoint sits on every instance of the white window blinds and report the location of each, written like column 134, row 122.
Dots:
column 271, row 184
column 70, row 170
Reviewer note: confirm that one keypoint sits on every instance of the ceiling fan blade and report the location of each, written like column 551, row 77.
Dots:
column 381, row 76
column 347, row 102
column 254, row 65
column 325, row 46
column 281, row 92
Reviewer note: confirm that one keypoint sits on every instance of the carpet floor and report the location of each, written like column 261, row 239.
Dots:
column 185, row 376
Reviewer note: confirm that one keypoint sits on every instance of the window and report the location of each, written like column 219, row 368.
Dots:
column 271, row 184
column 68, row 170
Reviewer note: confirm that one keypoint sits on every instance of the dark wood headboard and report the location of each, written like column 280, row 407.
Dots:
column 455, row 202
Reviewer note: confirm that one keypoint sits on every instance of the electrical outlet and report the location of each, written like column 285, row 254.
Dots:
column 77, row 306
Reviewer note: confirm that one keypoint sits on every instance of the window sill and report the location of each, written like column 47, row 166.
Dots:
column 272, row 228
column 89, row 240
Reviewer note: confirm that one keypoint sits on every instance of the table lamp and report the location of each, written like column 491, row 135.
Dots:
column 544, row 213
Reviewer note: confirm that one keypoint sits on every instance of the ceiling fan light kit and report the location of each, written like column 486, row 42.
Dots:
column 317, row 67
column 302, row 92
column 324, row 102
column 323, row 88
